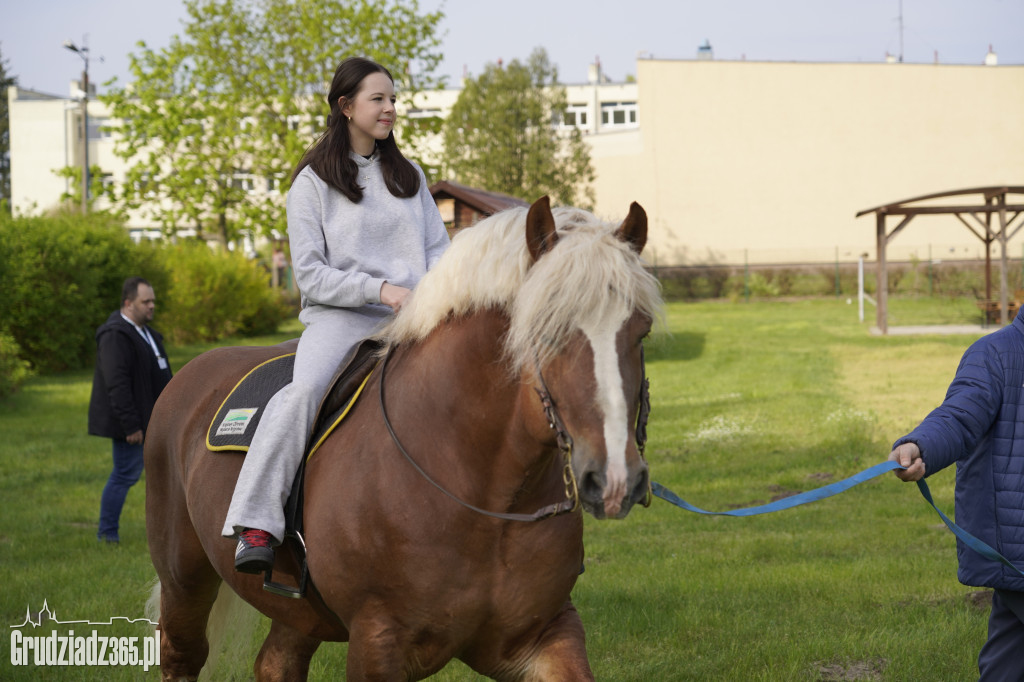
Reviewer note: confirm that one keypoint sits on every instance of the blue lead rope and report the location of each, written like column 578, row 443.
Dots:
column 786, row 502
column 965, row 537
column 834, row 489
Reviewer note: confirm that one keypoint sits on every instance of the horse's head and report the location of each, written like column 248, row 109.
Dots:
column 578, row 301
column 576, row 333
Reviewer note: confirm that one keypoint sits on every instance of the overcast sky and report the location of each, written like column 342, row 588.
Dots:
column 573, row 33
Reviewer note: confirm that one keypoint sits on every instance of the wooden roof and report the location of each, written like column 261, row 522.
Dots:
column 480, row 200
column 986, row 205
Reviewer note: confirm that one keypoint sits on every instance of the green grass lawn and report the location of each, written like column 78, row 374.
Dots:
column 750, row 401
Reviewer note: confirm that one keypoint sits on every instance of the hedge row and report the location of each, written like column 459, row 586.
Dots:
column 916, row 278
column 61, row 277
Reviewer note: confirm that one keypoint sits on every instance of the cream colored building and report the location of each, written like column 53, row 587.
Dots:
column 770, row 162
column 45, row 137
column 759, row 162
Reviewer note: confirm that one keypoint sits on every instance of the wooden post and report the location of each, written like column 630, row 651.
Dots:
column 882, row 278
column 989, row 238
column 1004, row 263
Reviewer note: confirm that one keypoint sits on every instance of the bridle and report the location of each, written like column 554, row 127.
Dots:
column 571, row 503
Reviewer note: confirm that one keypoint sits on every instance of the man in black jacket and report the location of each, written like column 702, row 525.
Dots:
column 131, row 370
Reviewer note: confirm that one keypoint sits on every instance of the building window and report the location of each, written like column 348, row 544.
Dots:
column 244, row 182
column 274, row 184
column 99, row 128
column 618, row 114
column 416, row 112
column 575, row 116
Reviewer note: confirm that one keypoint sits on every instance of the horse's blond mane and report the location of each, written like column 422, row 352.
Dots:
column 590, row 273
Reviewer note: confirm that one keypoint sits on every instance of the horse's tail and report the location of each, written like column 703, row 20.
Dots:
column 230, row 632
column 153, row 603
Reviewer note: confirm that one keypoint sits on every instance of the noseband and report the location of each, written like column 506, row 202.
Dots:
column 564, row 440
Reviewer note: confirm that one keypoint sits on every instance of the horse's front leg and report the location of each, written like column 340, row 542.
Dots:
column 561, row 650
column 285, row 655
column 381, row 650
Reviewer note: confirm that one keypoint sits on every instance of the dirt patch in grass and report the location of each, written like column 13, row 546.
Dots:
column 849, row 671
column 976, row 599
column 781, row 493
column 979, row 599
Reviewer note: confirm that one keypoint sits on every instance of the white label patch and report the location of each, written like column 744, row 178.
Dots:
column 236, row 421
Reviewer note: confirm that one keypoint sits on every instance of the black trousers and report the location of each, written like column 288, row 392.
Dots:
column 1002, row 657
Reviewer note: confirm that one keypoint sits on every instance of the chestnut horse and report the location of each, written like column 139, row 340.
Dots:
column 529, row 308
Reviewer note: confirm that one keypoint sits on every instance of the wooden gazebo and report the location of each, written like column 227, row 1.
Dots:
column 976, row 212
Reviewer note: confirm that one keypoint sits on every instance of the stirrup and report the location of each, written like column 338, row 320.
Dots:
column 281, row 589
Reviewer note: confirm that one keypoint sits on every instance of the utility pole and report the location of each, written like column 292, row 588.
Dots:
column 83, row 52
column 901, row 31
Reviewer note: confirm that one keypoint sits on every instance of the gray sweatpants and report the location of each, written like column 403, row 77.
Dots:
column 280, row 439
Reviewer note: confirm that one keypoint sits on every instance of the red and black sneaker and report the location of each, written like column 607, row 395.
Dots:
column 254, row 553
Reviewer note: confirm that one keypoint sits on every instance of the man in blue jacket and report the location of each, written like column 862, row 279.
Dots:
column 980, row 426
column 131, row 371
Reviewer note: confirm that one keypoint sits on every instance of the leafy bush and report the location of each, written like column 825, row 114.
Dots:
column 953, row 279
column 61, row 276
column 213, row 294
column 13, row 370
column 757, row 284
column 693, row 282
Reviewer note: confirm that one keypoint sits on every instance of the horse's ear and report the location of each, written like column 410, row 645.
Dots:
column 541, row 234
column 633, row 229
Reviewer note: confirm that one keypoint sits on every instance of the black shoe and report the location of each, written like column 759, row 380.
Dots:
column 254, row 553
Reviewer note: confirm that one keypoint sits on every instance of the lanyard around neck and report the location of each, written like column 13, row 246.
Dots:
column 144, row 333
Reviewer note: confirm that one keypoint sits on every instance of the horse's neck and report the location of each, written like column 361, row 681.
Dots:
column 458, row 370
column 456, row 384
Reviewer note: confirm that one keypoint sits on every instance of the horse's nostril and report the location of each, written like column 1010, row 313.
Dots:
column 592, row 485
column 639, row 492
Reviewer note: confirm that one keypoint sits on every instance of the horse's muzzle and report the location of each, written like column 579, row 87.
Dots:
column 613, row 501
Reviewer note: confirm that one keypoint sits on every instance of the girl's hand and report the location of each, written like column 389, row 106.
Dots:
column 393, row 296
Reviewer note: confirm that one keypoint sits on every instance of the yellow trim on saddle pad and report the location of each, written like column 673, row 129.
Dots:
column 236, row 448
column 344, row 413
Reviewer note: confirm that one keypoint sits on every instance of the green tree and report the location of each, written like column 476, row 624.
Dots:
column 72, row 197
column 225, row 111
column 6, row 80
column 502, row 136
